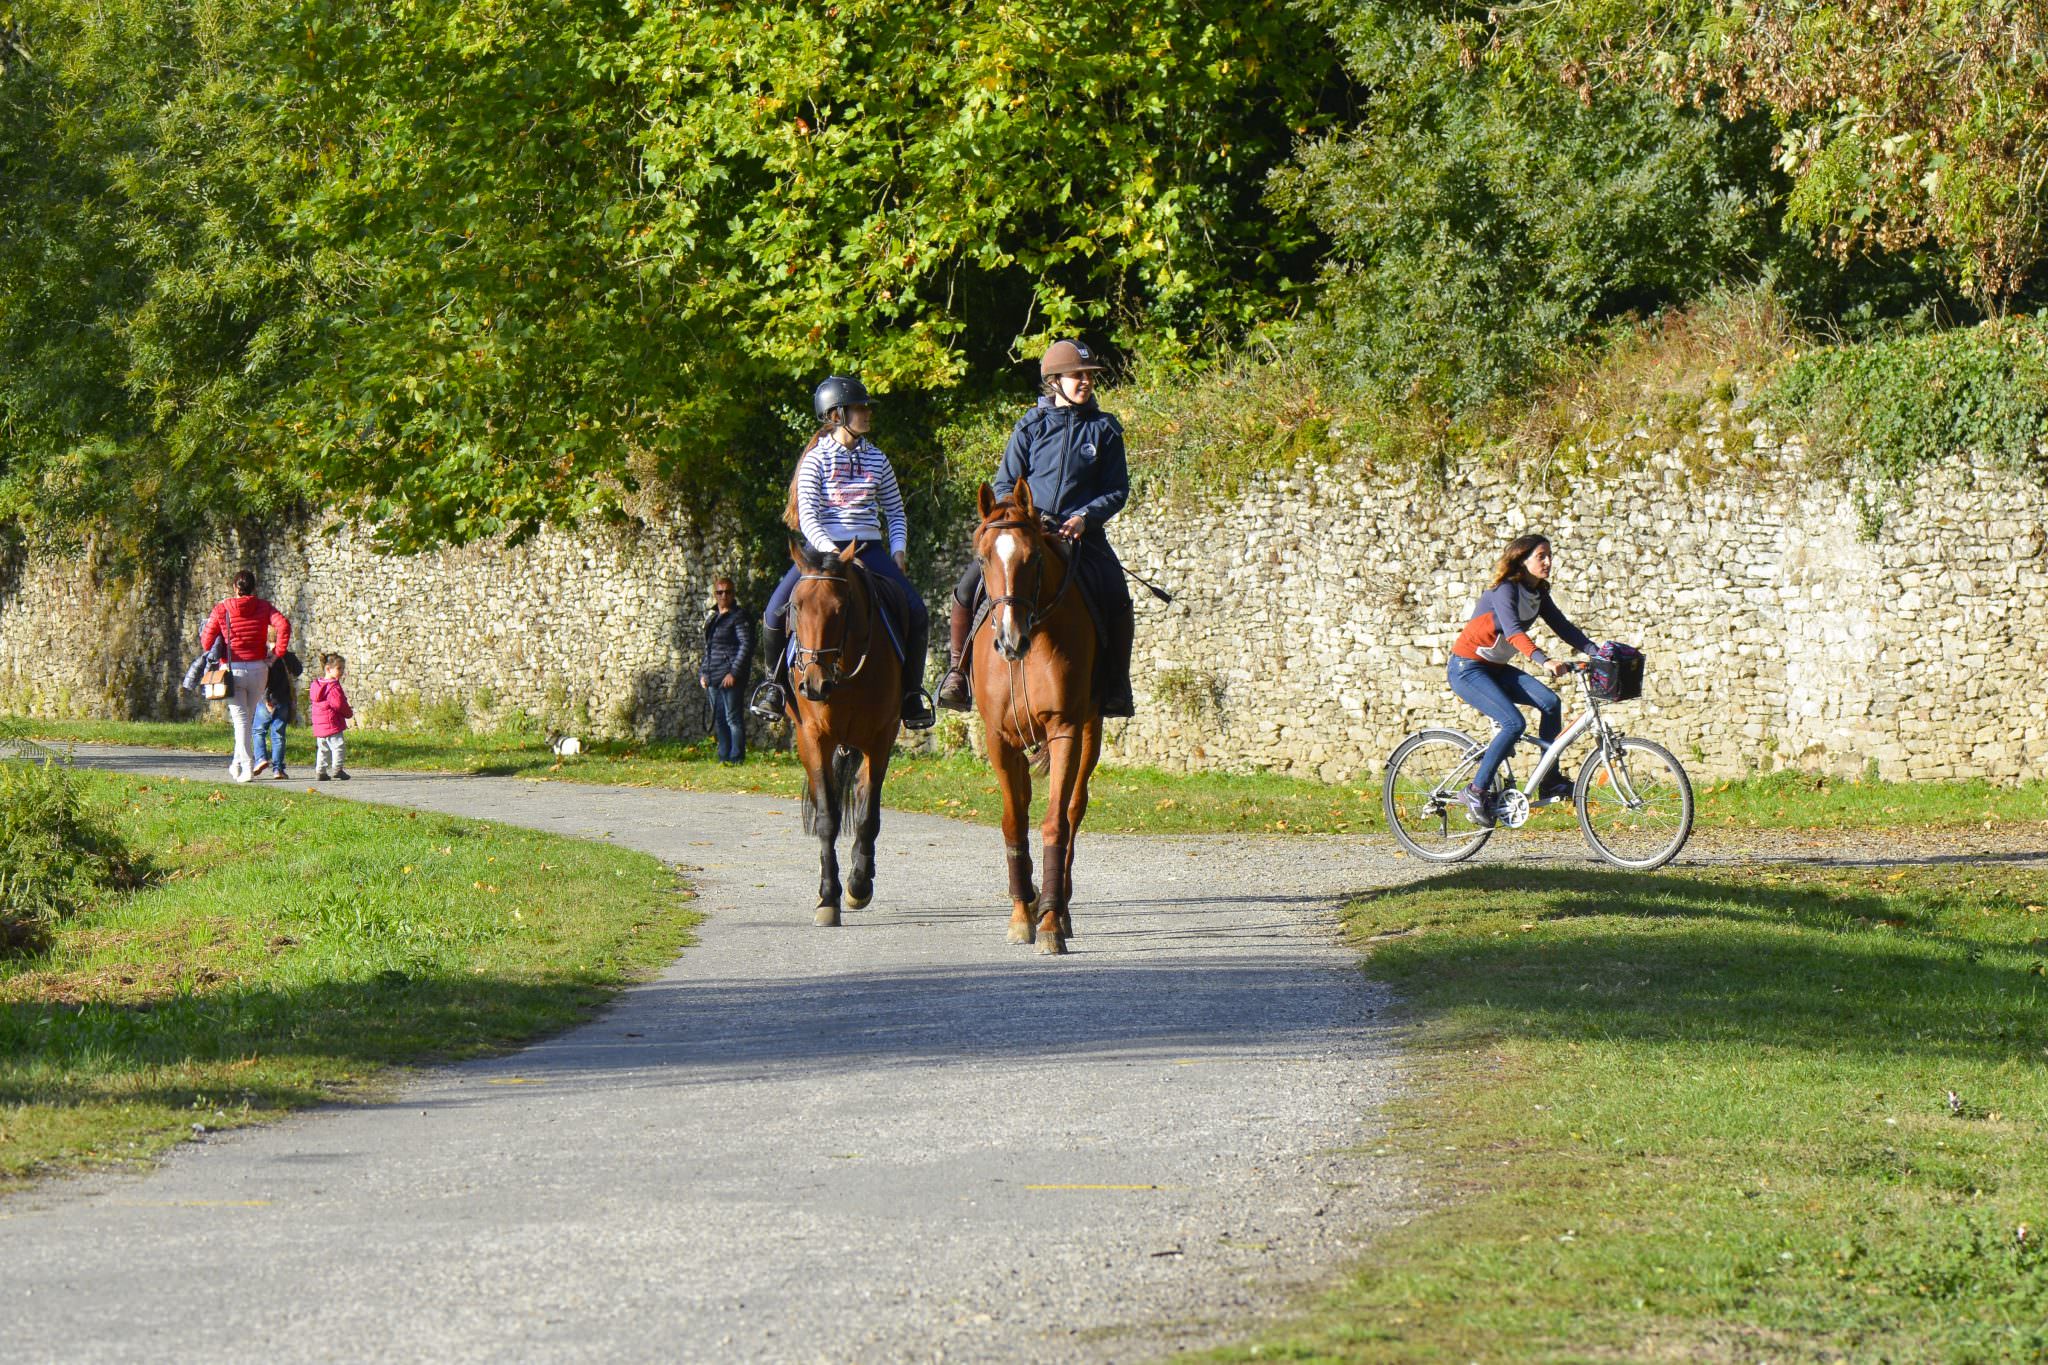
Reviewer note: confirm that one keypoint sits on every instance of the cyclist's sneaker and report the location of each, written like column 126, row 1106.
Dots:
column 1554, row 789
column 1479, row 806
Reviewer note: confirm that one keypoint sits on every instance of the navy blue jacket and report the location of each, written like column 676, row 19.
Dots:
column 728, row 647
column 1074, row 458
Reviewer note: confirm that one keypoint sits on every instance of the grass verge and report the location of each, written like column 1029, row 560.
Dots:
column 1783, row 1114
column 1122, row 800
column 287, row 950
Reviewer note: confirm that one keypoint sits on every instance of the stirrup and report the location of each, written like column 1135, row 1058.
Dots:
column 1119, row 705
column 917, row 710
column 953, row 691
column 769, row 701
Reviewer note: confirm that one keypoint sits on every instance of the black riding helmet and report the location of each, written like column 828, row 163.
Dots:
column 838, row 391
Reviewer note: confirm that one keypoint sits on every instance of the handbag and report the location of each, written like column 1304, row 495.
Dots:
column 217, row 682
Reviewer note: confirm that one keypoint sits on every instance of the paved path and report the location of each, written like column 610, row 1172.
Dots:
column 901, row 1140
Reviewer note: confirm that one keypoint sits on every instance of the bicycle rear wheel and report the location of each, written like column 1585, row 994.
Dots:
column 1422, row 796
column 1635, row 804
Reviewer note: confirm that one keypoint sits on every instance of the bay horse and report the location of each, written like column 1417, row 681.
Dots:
column 1034, row 685
column 846, row 703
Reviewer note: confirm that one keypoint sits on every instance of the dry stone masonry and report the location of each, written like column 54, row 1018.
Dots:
column 1311, row 622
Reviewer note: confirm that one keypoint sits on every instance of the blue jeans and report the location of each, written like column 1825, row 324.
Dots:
column 269, row 731
column 1500, row 691
column 727, row 724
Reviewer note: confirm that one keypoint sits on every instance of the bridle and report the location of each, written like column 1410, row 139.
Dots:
column 1033, row 612
column 807, row 659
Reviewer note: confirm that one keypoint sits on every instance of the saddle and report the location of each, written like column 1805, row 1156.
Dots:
column 895, row 605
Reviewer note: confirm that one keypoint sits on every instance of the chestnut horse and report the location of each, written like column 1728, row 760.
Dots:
column 846, row 701
column 1034, row 676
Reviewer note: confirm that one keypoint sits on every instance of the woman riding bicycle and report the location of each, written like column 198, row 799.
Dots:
column 845, row 492
column 1481, row 673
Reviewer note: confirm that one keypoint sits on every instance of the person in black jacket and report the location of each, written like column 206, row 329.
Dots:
column 1073, row 454
column 278, row 710
column 728, row 657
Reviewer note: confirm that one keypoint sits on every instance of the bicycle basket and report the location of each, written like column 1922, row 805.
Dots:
column 1616, row 672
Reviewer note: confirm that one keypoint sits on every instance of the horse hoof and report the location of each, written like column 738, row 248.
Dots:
column 1066, row 926
column 1052, row 945
column 1020, row 933
column 854, row 902
column 827, row 916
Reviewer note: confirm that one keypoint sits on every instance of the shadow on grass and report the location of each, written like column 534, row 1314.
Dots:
column 1689, row 959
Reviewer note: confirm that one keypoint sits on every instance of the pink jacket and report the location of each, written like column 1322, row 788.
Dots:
column 329, row 706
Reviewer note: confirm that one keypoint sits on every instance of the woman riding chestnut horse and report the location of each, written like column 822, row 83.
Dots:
column 1041, row 554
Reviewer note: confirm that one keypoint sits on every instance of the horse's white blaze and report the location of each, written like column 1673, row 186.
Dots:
column 1006, row 554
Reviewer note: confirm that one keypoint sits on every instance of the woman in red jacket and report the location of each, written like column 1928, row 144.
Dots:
column 248, row 622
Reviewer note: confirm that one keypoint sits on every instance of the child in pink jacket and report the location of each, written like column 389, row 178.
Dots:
column 330, row 708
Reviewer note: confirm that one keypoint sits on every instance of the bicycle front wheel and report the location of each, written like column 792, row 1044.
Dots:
column 1635, row 804
column 1422, row 796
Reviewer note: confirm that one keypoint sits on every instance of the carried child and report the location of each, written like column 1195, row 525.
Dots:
column 328, row 702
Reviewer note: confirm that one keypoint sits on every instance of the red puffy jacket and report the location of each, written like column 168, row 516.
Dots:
column 247, row 622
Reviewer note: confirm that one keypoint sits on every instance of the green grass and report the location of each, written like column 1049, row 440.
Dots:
column 1123, row 799
column 288, row 950
column 1708, row 1117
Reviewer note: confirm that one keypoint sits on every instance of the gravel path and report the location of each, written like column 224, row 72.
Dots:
column 901, row 1140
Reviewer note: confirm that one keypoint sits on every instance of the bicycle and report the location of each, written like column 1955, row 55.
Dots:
column 1633, row 798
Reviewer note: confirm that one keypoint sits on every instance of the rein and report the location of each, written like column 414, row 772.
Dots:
column 806, row 658
column 1034, row 614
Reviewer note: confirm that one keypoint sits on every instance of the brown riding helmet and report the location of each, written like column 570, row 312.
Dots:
column 1067, row 357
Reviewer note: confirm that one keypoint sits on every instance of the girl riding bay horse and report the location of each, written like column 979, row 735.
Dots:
column 848, row 689
column 1034, row 670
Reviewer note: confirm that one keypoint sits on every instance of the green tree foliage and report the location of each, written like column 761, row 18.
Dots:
column 1494, row 202
column 1903, row 123
column 465, row 267
column 918, row 189
column 146, row 306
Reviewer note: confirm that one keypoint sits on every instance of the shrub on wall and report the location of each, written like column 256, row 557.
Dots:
column 1889, row 409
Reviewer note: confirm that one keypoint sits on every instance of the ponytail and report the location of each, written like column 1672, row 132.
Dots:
column 792, row 514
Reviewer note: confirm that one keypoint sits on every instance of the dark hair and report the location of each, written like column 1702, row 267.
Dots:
column 1511, row 559
column 328, row 661
column 722, row 582
column 245, row 583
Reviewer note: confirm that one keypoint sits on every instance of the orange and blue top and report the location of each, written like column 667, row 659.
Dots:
column 1499, row 628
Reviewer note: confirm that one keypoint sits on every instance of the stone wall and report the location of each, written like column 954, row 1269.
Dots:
column 1308, row 635
column 1314, row 618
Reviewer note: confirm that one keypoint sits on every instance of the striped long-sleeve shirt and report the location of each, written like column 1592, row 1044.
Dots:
column 844, row 495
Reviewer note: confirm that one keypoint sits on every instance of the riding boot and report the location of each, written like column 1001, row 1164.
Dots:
column 953, row 693
column 1120, row 626
column 771, row 698
column 917, row 704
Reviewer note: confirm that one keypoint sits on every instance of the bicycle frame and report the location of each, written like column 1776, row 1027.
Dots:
column 1589, row 720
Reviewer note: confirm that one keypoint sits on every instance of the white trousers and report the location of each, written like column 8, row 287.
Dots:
column 328, row 751
column 244, row 696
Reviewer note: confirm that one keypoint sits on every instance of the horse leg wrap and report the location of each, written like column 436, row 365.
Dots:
column 1018, row 856
column 1054, row 900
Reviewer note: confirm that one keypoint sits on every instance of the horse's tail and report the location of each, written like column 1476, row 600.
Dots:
column 853, row 796
column 1041, row 762
column 846, row 791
